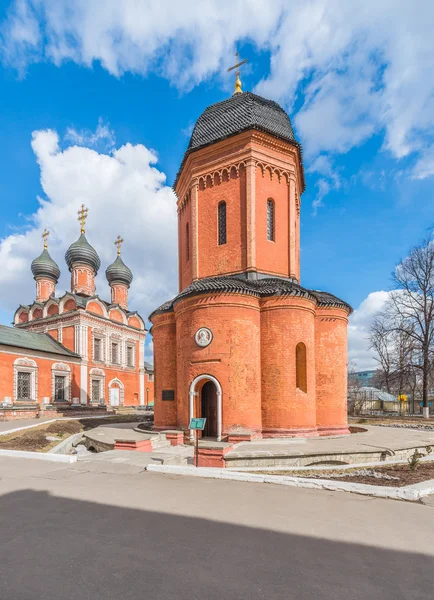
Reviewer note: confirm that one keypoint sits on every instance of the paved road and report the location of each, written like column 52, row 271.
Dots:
column 108, row 531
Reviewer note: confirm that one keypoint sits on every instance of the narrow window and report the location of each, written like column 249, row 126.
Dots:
column 301, row 367
column 130, row 356
column 97, row 343
column 59, row 388
column 115, row 353
column 270, row 220
column 151, row 378
column 187, row 242
column 222, row 222
column 23, row 386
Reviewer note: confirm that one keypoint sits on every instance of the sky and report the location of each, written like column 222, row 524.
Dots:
column 98, row 99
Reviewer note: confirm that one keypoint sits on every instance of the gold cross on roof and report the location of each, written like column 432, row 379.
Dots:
column 118, row 243
column 237, row 89
column 82, row 216
column 44, row 236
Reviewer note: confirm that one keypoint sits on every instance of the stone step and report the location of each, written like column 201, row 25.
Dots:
column 161, row 442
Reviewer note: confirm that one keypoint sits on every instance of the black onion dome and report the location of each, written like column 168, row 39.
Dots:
column 239, row 113
column 118, row 272
column 44, row 266
column 82, row 252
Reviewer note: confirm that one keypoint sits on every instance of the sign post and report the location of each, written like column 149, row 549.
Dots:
column 197, row 424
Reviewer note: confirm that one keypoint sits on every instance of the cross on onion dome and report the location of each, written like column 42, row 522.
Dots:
column 118, row 243
column 44, row 236
column 82, row 216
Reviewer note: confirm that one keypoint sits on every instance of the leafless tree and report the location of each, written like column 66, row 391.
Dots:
column 412, row 308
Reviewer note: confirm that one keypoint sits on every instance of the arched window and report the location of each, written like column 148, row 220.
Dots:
column 187, row 242
column 222, row 222
column 301, row 367
column 270, row 220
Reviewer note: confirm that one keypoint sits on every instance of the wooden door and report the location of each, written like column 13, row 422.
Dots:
column 209, row 409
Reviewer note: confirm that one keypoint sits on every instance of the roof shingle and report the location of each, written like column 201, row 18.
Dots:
column 43, row 342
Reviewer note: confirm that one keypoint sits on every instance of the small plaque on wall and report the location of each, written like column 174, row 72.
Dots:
column 168, row 395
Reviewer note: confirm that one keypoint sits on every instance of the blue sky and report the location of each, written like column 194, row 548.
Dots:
column 110, row 116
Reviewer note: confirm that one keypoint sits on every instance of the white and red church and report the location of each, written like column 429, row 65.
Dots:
column 77, row 348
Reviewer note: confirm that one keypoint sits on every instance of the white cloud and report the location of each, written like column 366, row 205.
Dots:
column 362, row 67
column 125, row 193
column 359, row 352
column 103, row 135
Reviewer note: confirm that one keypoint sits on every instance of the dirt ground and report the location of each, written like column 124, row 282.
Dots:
column 35, row 439
column 395, row 420
column 400, row 475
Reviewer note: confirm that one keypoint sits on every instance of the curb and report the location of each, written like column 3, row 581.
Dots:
column 66, row 444
column 410, row 492
column 62, row 458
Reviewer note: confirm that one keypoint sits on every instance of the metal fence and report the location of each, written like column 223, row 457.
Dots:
column 370, row 402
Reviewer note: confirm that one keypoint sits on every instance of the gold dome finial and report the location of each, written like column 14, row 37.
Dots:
column 44, row 236
column 237, row 89
column 118, row 243
column 82, row 216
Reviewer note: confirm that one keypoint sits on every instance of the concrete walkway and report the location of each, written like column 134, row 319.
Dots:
column 355, row 448
column 75, row 531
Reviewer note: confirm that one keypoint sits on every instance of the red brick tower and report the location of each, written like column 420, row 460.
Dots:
column 243, row 344
column 45, row 272
column 119, row 277
column 83, row 261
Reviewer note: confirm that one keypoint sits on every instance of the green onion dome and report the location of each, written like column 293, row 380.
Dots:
column 118, row 272
column 44, row 266
column 82, row 252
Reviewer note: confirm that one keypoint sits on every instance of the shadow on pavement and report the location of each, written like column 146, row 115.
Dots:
column 64, row 549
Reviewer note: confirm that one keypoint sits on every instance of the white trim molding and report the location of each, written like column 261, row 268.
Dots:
column 61, row 370
column 26, row 365
column 119, row 383
column 192, row 393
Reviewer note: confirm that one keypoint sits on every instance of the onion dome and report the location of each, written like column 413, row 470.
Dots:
column 44, row 266
column 82, row 252
column 241, row 112
column 118, row 272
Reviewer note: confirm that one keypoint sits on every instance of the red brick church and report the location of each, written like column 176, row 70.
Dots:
column 244, row 344
column 77, row 348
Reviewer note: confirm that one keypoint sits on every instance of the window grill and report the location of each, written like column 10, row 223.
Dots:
column 130, row 356
column 222, row 223
column 97, row 345
column 115, row 353
column 24, row 386
column 59, row 388
column 96, row 390
column 270, row 220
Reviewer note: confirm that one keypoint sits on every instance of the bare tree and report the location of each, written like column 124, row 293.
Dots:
column 380, row 336
column 412, row 309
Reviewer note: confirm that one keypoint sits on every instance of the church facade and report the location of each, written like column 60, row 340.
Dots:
column 77, row 348
column 243, row 344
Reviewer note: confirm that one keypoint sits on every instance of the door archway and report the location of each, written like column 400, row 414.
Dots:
column 116, row 392
column 211, row 398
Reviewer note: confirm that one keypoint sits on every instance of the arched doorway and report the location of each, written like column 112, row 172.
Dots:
column 209, row 404
column 116, row 392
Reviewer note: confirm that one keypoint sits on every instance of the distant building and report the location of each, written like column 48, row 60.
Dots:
column 363, row 378
column 149, row 384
